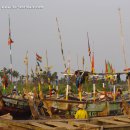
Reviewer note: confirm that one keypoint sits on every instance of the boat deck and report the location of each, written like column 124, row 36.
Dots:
column 99, row 123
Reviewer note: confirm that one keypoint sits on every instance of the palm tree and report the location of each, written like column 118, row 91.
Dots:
column 15, row 74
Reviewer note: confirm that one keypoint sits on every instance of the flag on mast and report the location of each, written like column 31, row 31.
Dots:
column 92, row 64
column 89, row 50
column 61, row 43
column 106, row 67
column 10, row 41
column 109, row 67
column 38, row 58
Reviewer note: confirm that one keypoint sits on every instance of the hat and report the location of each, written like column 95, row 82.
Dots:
column 80, row 106
column 102, row 96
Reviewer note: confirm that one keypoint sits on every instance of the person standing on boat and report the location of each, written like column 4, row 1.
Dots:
column 81, row 113
column 78, row 81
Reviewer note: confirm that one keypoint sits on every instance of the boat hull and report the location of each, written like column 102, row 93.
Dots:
column 19, row 109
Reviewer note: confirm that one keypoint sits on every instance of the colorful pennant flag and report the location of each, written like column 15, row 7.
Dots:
column 10, row 41
column 38, row 58
column 89, row 50
column 61, row 42
column 92, row 64
column 112, row 70
column 109, row 67
column 106, row 67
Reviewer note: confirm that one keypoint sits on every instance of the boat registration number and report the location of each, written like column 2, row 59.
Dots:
column 92, row 114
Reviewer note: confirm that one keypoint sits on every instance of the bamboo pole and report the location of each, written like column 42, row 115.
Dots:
column 122, row 37
column 9, row 43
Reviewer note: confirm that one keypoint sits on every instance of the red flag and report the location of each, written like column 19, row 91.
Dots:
column 92, row 64
column 89, row 50
column 10, row 41
column 39, row 58
column 127, row 69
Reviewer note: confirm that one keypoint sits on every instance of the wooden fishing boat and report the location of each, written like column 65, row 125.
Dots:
column 95, row 109
column 104, row 109
column 18, row 108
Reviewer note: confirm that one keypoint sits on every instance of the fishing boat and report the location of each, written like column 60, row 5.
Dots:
column 18, row 108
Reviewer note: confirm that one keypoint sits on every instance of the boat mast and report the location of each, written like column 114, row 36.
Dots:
column 89, row 49
column 122, row 37
column 123, row 42
column 10, row 41
column 27, row 68
column 61, row 42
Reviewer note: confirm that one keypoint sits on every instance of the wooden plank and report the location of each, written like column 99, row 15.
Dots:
column 44, row 127
column 13, row 123
column 61, row 124
column 87, row 125
column 112, row 122
column 65, row 101
column 53, row 120
column 122, row 119
column 116, row 126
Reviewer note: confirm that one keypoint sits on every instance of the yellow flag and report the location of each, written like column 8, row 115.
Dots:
column 39, row 87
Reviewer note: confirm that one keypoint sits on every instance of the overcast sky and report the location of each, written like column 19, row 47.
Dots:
column 35, row 30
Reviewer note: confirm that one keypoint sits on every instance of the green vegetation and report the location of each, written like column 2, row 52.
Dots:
column 43, row 78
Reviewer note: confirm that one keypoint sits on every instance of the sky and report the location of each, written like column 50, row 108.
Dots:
column 35, row 30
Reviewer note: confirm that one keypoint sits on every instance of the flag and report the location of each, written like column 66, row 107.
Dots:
column 10, row 41
column 38, row 58
column 126, row 69
column 92, row 64
column 61, row 42
column 89, row 50
column 106, row 67
column 109, row 67
column 68, row 70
